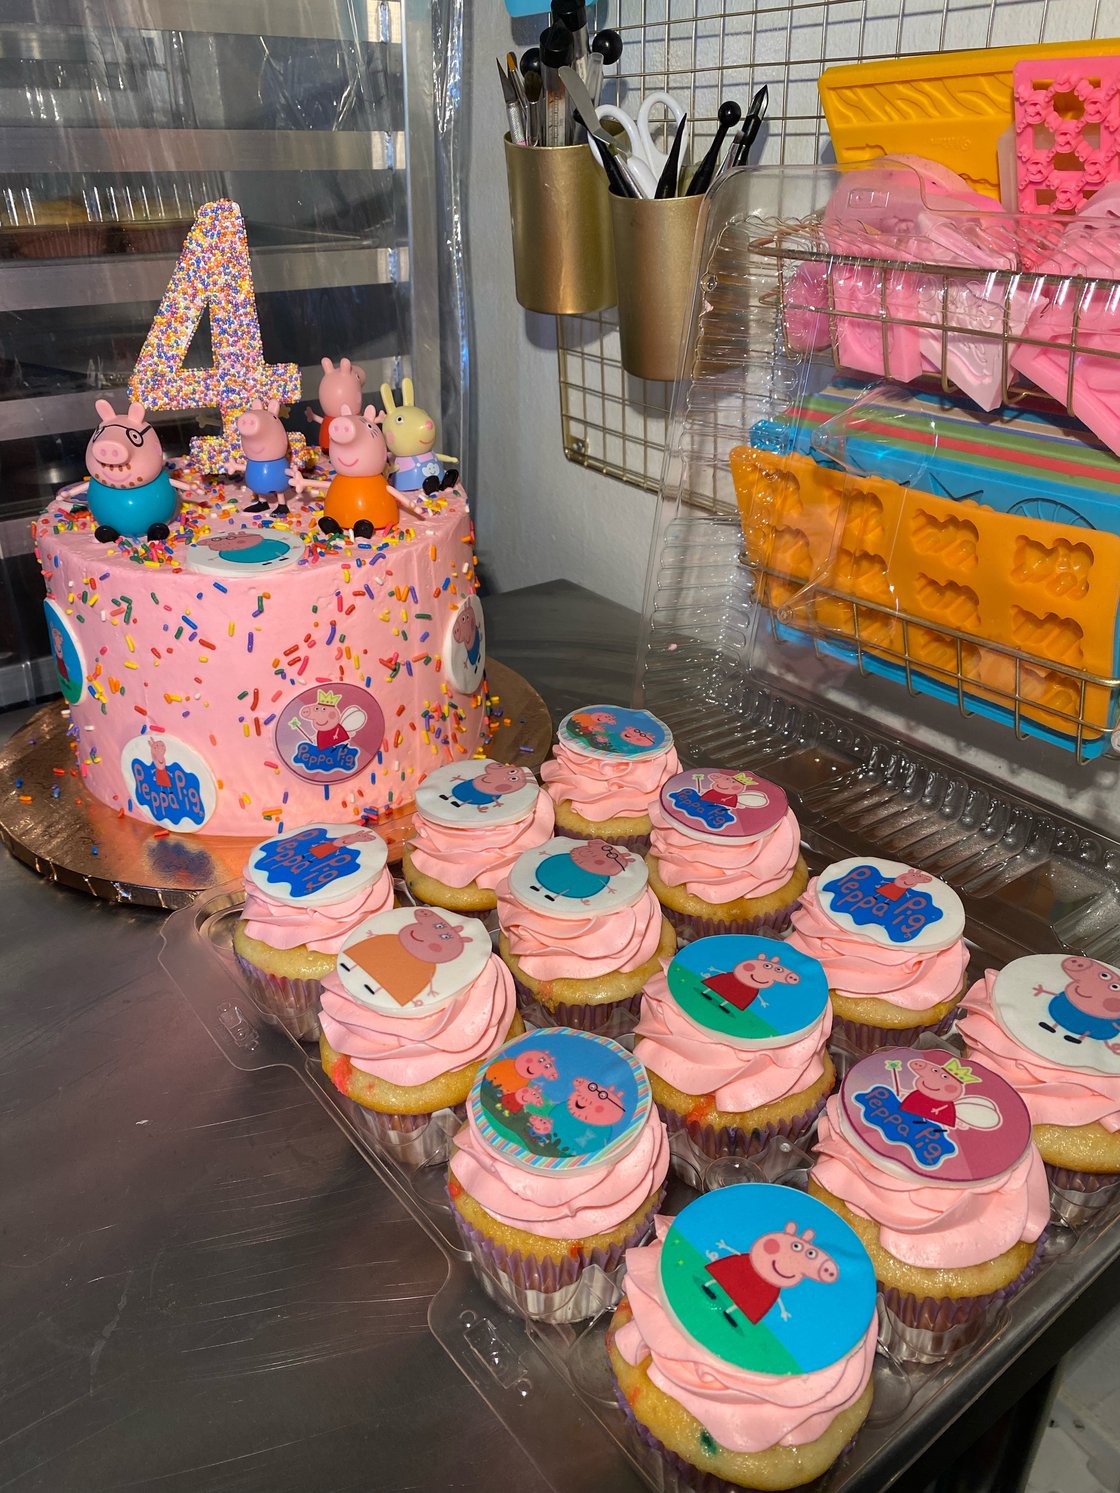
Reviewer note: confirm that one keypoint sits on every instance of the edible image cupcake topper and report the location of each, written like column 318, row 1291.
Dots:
column 768, row 1279
column 612, row 731
column 318, row 864
column 246, row 552
column 891, row 904
column 66, row 647
column 713, row 803
column 557, row 1099
column 329, row 732
column 168, row 782
column 578, row 878
column 412, row 960
column 1064, row 1008
column 464, row 648
column 751, row 992
column 475, row 794
column 928, row 1114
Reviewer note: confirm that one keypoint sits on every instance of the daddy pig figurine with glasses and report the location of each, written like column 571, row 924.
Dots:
column 338, row 386
column 129, row 491
column 410, row 434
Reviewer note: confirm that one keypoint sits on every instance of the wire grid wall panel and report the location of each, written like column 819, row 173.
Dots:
column 702, row 52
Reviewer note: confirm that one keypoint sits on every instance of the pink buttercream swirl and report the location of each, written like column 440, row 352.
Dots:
column 601, row 787
column 717, row 871
column 580, row 948
column 1054, row 1095
column 482, row 853
column 323, row 929
column 745, row 1411
column 411, row 1050
column 738, row 1078
column 938, row 1227
column 859, row 968
column 563, row 1205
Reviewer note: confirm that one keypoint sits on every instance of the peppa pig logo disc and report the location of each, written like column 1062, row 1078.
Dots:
column 713, row 803
column 556, row 1099
column 928, row 1113
column 411, row 961
column 891, row 904
column 69, row 661
column 578, row 878
column 330, row 732
column 477, row 794
column 168, row 782
column 1065, row 1008
column 768, row 1279
column 245, row 552
column 318, row 864
column 612, row 731
column 464, row 648
column 752, row 992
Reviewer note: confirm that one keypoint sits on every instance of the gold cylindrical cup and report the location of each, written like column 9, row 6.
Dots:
column 653, row 247
column 563, row 259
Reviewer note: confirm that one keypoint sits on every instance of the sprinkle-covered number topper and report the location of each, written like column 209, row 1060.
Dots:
column 922, row 1112
column 751, row 992
column 317, row 865
column 1064, row 1008
column 413, row 960
column 577, row 878
column 714, row 803
column 477, row 794
column 891, row 904
column 557, row 1099
column 613, row 731
column 768, row 1279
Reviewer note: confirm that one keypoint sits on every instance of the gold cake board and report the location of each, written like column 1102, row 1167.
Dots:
column 78, row 842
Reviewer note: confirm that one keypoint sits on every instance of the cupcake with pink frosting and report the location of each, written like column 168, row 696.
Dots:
column 305, row 890
column 1050, row 1025
column 417, row 1002
column 607, row 767
column 891, row 940
column 559, row 1169
column 743, row 1349
column 725, row 854
column 582, row 933
column 931, row 1161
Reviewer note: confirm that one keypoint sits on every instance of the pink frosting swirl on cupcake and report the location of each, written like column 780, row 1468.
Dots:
column 483, row 853
column 600, row 788
column 941, row 1227
column 717, row 871
column 323, row 929
column 738, row 1078
column 563, row 1205
column 580, row 948
column 411, row 1050
column 859, row 968
column 1054, row 1095
column 743, row 1410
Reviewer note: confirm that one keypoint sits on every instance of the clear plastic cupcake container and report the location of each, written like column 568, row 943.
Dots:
column 291, row 1004
column 694, row 1146
column 606, row 1019
column 1077, row 1198
column 769, row 925
column 413, row 1140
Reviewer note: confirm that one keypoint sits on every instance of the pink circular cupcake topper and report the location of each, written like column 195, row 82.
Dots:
column 474, row 794
column 716, row 803
column 891, row 904
column 411, row 961
column 575, row 879
column 1065, row 1008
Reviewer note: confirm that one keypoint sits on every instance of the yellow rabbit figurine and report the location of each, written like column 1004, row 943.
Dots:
column 410, row 434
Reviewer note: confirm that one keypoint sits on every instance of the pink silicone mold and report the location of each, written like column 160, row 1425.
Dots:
column 1067, row 130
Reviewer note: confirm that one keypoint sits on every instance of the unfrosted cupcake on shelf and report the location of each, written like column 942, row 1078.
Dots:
column 931, row 1161
column 891, row 940
column 559, row 1168
column 472, row 820
column 582, row 933
column 725, row 854
column 743, row 1348
column 417, row 1002
column 733, row 1034
column 1050, row 1025
column 304, row 892
column 608, row 765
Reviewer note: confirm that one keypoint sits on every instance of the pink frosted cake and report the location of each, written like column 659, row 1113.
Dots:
column 608, row 765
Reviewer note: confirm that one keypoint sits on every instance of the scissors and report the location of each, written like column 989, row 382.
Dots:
column 646, row 161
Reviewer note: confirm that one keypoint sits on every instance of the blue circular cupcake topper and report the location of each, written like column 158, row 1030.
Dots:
column 317, row 864
column 891, row 904
column 578, row 878
column 478, row 793
column 612, row 731
column 248, row 552
column 410, row 961
column 751, row 992
column 168, row 782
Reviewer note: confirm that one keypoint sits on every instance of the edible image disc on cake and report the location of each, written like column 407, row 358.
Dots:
column 168, row 782
column 1066, row 1008
column 464, row 649
column 577, row 878
column 556, row 1099
column 891, row 904
column 768, row 1279
column 412, row 960
column 613, row 731
column 242, row 552
column 69, row 661
column 330, row 732
column 713, row 803
column 480, row 792
column 751, row 992
column 318, row 864
column 927, row 1114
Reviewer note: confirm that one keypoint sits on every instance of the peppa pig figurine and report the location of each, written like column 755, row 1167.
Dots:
column 410, row 433
column 265, row 444
column 358, row 496
column 338, row 386
column 129, row 491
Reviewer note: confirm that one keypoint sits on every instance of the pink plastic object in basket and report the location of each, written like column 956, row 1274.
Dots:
column 1067, row 130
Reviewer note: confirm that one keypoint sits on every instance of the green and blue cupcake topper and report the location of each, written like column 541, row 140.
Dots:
column 614, row 732
column 750, row 992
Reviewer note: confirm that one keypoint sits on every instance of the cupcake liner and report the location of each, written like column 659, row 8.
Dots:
column 695, row 1145
column 767, row 925
column 606, row 1018
column 1077, row 1197
column 413, row 1140
column 862, row 1039
column 291, row 1004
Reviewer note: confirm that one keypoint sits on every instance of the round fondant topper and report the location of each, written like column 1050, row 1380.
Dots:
column 69, row 661
column 768, row 1279
column 478, row 793
column 715, row 803
column 556, row 1099
column 413, row 960
column 577, row 878
column 891, row 904
column 927, row 1114
column 1065, row 1008
column 330, row 732
column 318, row 864
column 464, row 648
column 751, row 992
column 612, row 731
column 168, row 782
column 242, row 552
